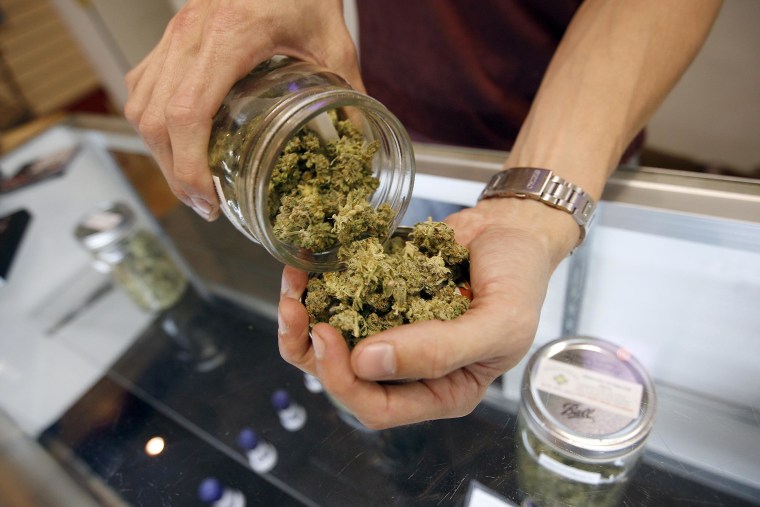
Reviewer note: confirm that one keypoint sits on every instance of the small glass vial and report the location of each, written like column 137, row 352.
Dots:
column 212, row 492
column 586, row 410
column 262, row 112
column 292, row 415
column 262, row 456
column 135, row 258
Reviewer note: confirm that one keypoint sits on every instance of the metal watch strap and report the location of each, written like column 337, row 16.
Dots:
column 544, row 186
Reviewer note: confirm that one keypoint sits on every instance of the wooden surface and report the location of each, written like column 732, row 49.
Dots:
column 45, row 61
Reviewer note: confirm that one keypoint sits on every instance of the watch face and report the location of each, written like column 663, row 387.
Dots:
column 521, row 181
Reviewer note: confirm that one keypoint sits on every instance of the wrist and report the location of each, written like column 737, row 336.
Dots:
column 554, row 230
column 545, row 187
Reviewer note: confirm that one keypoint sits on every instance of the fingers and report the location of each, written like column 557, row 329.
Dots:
column 508, row 283
column 141, row 82
column 380, row 406
column 293, row 322
column 433, row 349
column 325, row 354
column 177, row 89
column 293, row 334
column 293, row 282
column 189, row 114
column 152, row 83
column 154, row 124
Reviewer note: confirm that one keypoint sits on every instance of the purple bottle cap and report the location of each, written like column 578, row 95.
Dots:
column 247, row 439
column 281, row 399
column 210, row 490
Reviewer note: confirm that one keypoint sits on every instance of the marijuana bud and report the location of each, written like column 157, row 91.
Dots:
column 387, row 285
column 319, row 191
column 319, row 198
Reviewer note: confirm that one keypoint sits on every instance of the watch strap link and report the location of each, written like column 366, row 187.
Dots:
column 544, row 186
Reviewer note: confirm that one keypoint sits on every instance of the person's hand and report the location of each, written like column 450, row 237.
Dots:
column 515, row 246
column 209, row 45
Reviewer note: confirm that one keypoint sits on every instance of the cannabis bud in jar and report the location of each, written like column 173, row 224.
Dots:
column 136, row 259
column 420, row 274
column 320, row 190
column 303, row 163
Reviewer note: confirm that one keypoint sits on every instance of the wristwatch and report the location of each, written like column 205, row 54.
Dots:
column 544, row 186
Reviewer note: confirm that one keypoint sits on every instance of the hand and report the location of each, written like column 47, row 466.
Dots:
column 208, row 46
column 514, row 247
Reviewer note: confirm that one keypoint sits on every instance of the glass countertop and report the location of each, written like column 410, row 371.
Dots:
column 671, row 271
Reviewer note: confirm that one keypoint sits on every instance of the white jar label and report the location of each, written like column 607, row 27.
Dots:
column 591, row 388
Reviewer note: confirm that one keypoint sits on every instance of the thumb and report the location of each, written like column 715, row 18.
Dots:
column 429, row 350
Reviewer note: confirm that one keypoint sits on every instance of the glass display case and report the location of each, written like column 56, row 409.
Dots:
column 174, row 406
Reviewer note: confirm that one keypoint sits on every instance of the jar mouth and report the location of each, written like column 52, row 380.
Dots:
column 554, row 415
column 285, row 121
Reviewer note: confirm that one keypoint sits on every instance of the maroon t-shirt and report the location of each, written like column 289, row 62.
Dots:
column 459, row 72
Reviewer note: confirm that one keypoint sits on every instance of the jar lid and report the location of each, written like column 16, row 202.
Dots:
column 107, row 224
column 588, row 397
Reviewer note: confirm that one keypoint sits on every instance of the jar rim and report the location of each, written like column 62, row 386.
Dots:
column 622, row 439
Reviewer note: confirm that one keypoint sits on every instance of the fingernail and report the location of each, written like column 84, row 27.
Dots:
column 285, row 286
column 377, row 361
column 318, row 343
column 283, row 327
column 202, row 207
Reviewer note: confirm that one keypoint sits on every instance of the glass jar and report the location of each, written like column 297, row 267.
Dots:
column 135, row 258
column 264, row 111
column 586, row 410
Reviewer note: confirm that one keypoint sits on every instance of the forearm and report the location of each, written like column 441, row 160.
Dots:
column 613, row 68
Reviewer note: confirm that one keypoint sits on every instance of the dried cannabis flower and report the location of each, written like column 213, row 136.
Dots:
column 319, row 191
column 147, row 273
column 384, row 286
column 553, row 490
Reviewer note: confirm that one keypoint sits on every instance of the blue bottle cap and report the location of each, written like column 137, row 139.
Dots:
column 281, row 399
column 247, row 439
column 210, row 490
